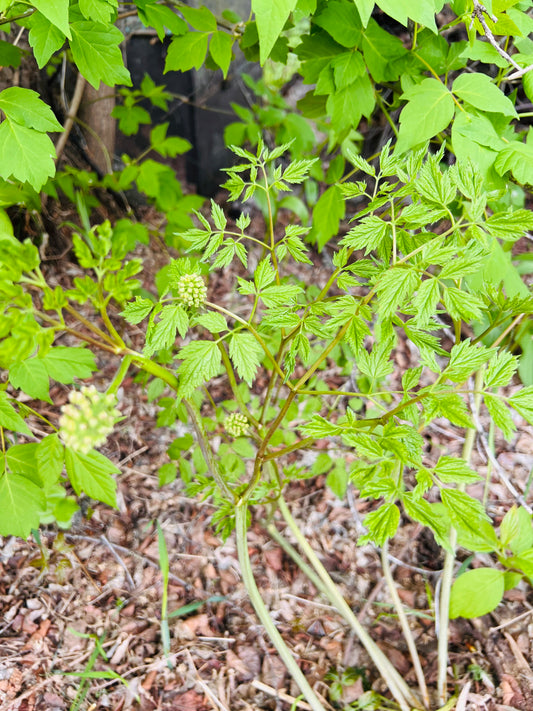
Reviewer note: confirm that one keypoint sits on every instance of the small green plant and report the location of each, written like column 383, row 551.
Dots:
column 405, row 267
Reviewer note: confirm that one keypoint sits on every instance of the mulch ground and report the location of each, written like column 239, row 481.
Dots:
column 98, row 588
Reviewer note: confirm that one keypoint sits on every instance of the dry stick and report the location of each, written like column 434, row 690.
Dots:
column 479, row 9
column 404, row 622
column 74, row 107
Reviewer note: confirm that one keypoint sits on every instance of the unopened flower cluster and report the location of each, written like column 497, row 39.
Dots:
column 236, row 425
column 192, row 290
column 87, row 419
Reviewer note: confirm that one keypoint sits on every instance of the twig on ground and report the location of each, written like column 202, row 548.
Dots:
column 119, row 560
column 511, row 621
column 278, row 694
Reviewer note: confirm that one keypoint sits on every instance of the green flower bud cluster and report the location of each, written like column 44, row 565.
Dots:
column 87, row 419
column 192, row 290
column 236, row 425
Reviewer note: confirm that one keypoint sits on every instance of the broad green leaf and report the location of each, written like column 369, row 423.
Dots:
column 9, row 417
column 56, row 11
column 327, row 214
column 167, row 145
column 96, row 52
column 201, row 18
column 245, row 353
column 500, row 415
column 44, row 38
column 221, row 50
column 130, row 118
column 22, row 502
column 137, row 310
column 64, row 364
column 382, row 52
column 479, row 91
column 50, row 457
column 422, row 11
column 271, row 16
column 516, row 157
column 523, row 562
column 429, row 110
column 341, row 21
column 21, row 459
column 346, row 106
column 382, row 524
column 464, row 359
column 476, row 593
column 31, row 377
column 152, row 14
column 465, row 511
column 213, row 322
column 91, row 473
column 98, row 10
column 186, row 52
column 10, row 55
column 364, row 8
column 25, row 155
column 452, row 470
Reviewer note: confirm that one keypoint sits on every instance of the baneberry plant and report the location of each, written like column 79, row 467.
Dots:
column 408, row 268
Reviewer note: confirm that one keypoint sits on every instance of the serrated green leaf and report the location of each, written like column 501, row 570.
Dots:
column 137, row 310
column 9, row 417
column 341, row 21
column 158, row 17
column 91, row 473
column 402, row 10
column 264, row 274
column 23, row 106
column 327, row 214
column 31, row 377
column 382, row 52
column 464, row 359
column 429, row 110
column 425, row 301
column 479, row 91
column 213, row 322
column 518, row 158
column 297, row 171
column 452, row 470
column 25, row 154
column 509, row 225
column 219, row 218
column 476, row 593
column 449, row 405
column 172, row 318
column 394, row 287
column 98, row 10
column 522, row 402
column 245, row 353
column 461, row 305
column 501, row 370
column 433, row 516
column 22, row 502
column 369, row 234
column 382, row 524
column 64, row 364
column 201, row 361
column 464, row 511
column 96, row 52
column 320, row 428
column 280, row 295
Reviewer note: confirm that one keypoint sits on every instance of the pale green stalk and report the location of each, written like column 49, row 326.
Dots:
column 449, row 562
column 241, row 529
column 404, row 622
column 397, row 686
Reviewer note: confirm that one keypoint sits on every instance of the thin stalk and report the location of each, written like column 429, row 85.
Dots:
column 407, row 633
column 449, row 562
column 397, row 686
column 120, row 374
column 241, row 529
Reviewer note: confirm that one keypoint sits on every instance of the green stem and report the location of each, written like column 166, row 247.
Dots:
column 408, row 635
column 449, row 562
column 241, row 529
column 397, row 686
column 120, row 374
